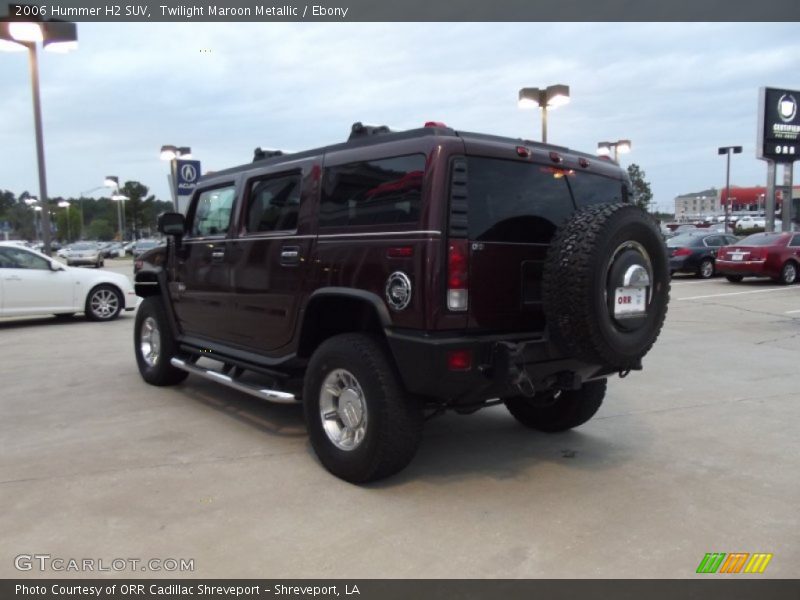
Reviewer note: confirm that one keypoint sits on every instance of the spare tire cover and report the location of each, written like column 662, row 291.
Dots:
column 606, row 285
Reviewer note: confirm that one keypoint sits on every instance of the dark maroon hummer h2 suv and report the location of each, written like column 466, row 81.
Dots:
column 389, row 278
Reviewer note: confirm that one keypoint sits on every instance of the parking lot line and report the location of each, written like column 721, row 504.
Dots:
column 789, row 312
column 774, row 289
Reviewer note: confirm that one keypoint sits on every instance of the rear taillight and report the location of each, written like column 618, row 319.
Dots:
column 681, row 252
column 459, row 360
column 138, row 264
column 457, row 275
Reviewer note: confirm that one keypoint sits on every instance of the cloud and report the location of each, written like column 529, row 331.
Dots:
column 677, row 90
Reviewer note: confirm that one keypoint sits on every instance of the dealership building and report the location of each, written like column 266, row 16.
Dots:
column 691, row 207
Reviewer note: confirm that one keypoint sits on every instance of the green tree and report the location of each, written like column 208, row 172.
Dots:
column 136, row 206
column 67, row 230
column 100, row 229
column 642, row 195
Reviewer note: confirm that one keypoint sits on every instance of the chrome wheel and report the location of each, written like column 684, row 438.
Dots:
column 789, row 273
column 343, row 410
column 706, row 269
column 104, row 304
column 150, row 342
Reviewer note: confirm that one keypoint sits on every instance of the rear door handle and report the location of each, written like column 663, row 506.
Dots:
column 13, row 278
column 290, row 255
column 217, row 254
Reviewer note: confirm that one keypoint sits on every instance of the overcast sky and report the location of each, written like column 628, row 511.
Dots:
column 676, row 90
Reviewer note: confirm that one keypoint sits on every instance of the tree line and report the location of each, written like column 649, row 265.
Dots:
column 86, row 218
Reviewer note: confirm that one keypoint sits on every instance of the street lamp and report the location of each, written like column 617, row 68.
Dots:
column 112, row 181
column 65, row 204
column 172, row 154
column 552, row 96
column 726, row 150
column 55, row 36
column 619, row 147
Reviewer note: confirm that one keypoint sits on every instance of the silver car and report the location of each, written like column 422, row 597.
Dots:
column 84, row 253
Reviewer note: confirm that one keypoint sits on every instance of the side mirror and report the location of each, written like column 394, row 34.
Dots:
column 172, row 223
column 56, row 266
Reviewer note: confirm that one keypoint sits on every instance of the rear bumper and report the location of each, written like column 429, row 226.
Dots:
column 745, row 268
column 500, row 365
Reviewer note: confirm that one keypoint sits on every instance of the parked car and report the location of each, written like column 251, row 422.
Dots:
column 775, row 255
column 142, row 246
column 34, row 284
column 751, row 222
column 399, row 275
column 84, row 253
column 128, row 247
column 112, row 250
column 696, row 252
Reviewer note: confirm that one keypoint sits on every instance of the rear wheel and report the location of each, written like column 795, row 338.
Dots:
column 788, row 273
column 361, row 423
column 558, row 410
column 734, row 278
column 104, row 303
column 706, row 269
column 154, row 344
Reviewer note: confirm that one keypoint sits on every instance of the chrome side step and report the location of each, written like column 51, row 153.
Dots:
column 264, row 394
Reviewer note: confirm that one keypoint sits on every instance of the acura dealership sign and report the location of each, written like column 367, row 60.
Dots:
column 779, row 125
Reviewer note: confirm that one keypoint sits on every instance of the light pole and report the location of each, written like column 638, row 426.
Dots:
column 552, row 96
column 171, row 154
column 726, row 150
column 112, row 181
column 56, row 36
column 65, row 204
column 619, row 147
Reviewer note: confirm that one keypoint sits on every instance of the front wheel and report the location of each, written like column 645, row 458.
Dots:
column 558, row 410
column 788, row 273
column 361, row 423
column 706, row 269
column 154, row 344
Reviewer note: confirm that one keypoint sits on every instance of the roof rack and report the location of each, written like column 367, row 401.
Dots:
column 359, row 130
column 261, row 154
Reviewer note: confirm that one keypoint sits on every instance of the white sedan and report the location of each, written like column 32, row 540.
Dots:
column 33, row 284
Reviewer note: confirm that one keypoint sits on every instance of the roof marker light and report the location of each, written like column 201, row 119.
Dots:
column 434, row 124
column 523, row 151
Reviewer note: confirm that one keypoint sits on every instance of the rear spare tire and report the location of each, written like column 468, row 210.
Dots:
column 606, row 285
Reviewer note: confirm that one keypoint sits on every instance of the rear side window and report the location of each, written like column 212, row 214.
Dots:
column 273, row 204
column 515, row 202
column 212, row 212
column 590, row 189
column 795, row 241
column 376, row 192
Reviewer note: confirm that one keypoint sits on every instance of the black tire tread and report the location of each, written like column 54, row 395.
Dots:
column 567, row 280
column 399, row 424
column 571, row 409
column 163, row 373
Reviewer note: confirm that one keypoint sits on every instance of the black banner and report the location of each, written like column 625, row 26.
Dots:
column 408, row 10
column 421, row 589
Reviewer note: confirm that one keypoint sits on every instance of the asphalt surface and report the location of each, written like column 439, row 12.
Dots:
column 697, row 453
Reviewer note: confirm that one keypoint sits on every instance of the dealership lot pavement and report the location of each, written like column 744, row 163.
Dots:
column 698, row 453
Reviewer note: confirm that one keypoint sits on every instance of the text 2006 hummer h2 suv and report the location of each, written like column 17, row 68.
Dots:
column 400, row 274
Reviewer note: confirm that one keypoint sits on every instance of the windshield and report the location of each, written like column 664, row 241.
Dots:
column 685, row 239
column 83, row 247
column 761, row 239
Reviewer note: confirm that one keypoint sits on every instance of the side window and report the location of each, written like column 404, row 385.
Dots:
column 377, row 192
column 273, row 204
column 511, row 201
column 212, row 212
column 795, row 242
column 714, row 241
column 589, row 189
column 15, row 258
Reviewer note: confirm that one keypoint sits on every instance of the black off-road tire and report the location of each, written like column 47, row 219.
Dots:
column 394, row 418
column 558, row 411
column 734, row 278
column 161, row 373
column 574, row 285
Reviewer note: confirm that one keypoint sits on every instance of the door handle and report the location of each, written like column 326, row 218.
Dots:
column 290, row 255
column 218, row 254
column 13, row 278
